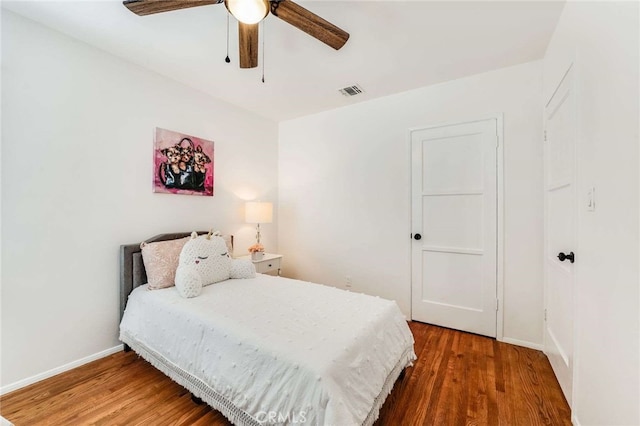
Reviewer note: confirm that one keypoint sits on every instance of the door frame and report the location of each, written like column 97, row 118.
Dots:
column 498, row 117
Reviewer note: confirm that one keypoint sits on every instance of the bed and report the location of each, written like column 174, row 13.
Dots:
column 268, row 350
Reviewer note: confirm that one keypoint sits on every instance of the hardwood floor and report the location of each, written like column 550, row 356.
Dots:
column 459, row 379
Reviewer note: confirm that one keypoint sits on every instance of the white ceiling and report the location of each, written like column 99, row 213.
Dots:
column 394, row 46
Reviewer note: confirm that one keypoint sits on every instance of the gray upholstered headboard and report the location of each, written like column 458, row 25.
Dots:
column 132, row 272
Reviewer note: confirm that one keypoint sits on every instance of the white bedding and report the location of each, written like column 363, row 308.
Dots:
column 271, row 350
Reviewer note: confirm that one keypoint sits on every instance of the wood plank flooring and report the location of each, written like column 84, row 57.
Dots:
column 459, row 379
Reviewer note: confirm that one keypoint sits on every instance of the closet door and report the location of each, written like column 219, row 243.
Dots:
column 560, row 225
column 454, row 219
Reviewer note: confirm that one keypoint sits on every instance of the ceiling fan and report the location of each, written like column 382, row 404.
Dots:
column 249, row 13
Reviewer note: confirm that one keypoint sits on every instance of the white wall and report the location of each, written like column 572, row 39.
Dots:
column 344, row 189
column 602, row 38
column 77, row 139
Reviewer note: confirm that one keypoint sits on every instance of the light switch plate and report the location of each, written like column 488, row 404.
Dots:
column 591, row 199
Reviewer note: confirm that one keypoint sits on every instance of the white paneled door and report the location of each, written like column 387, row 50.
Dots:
column 560, row 224
column 454, row 220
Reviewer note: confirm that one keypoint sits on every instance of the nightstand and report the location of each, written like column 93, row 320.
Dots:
column 270, row 262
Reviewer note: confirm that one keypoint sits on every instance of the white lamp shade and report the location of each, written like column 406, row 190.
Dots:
column 248, row 11
column 257, row 212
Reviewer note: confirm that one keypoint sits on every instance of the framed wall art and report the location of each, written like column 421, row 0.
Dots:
column 183, row 164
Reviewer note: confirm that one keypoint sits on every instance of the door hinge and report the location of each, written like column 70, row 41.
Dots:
column 545, row 135
column 545, row 314
column 497, row 304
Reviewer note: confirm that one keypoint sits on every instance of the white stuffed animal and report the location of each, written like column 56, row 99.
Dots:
column 206, row 260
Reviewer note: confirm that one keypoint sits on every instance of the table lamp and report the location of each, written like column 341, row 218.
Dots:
column 258, row 212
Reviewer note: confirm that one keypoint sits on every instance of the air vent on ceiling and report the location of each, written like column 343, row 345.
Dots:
column 351, row 90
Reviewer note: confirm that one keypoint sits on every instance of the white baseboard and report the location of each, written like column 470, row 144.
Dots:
column 574, row 419
column 55, row 371
column 524, row 343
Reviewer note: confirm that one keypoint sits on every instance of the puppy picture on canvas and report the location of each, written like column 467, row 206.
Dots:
column 183, row 164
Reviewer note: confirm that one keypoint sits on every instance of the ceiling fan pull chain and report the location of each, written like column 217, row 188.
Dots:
column 227, row 60
column 264, row 30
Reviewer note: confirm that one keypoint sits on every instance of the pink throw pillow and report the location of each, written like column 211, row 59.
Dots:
column 161, row 261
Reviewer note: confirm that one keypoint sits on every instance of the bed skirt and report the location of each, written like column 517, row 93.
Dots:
column 235, row 415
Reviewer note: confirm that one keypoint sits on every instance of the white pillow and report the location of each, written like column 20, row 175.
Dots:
column 242, row 268
column 209, row 256
column 206, row 260
column 188, row 282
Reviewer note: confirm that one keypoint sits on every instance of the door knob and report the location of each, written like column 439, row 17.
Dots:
column 417, row 236
column 569, row 256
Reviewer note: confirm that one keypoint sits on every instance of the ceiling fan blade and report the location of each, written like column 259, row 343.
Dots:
column 248, row 43
column 148, row 7
column 310, row 23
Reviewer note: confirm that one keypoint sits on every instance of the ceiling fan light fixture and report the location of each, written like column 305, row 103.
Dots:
column 248, row 11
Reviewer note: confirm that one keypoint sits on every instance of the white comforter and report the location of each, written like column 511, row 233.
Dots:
column 276, row 350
